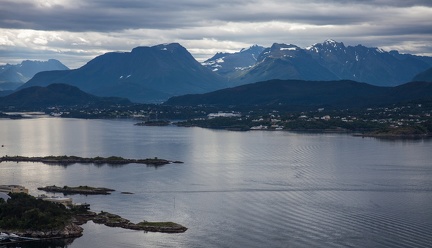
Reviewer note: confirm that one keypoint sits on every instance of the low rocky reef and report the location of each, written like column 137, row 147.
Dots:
column 83, row 190
column 67, row 160
column 113, row 220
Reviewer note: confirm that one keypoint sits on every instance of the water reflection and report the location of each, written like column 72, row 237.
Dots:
column 237, row 189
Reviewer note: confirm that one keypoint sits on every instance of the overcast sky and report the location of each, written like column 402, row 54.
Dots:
column 75, row 31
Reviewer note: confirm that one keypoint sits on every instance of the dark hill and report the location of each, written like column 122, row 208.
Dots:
column 56, row 95
column 146, row 74
column 337, row 94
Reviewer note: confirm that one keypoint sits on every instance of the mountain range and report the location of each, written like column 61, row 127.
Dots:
column 13, row 76
column 56, row 95
column 309, row 94
column 329, row 60
column 156, row 73
column 146, row 74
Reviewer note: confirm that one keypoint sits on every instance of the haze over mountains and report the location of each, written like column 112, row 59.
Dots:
column 13, row 76
column 154, row 74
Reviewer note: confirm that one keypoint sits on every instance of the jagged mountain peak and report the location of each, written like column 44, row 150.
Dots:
column 252, row 49
column 229, row 64
column 280, row 50
column 283, row 46
column 332, row 42
column 327, row 45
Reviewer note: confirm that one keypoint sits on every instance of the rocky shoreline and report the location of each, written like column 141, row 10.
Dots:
column 113, row 220
column 67, row 160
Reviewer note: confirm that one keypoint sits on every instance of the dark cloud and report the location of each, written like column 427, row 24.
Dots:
column 110, row 15
column 78, row 29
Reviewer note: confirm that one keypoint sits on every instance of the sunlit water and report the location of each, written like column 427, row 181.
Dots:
column 235, row 189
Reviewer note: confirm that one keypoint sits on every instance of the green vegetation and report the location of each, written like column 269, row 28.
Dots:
column 407, row 131
column 25, row 212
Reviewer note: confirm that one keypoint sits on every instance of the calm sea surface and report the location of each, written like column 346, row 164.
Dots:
column 235, row 189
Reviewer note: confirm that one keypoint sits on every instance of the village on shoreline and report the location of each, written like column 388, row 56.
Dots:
column 405, row 120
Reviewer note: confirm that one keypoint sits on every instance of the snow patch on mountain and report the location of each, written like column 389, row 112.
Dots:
column 288, row 48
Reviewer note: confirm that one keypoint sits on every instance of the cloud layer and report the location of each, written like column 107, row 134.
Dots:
column 75, row 31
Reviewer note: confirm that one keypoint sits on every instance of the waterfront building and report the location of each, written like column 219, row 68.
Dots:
column 13, row 189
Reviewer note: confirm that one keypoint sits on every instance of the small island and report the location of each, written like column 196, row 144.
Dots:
column 83, row 190
column 67, row 160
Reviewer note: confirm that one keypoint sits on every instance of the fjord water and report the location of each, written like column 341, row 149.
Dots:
column 235, row 189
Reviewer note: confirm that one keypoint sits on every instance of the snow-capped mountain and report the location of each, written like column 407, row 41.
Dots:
column 146, row 74
column 330, row 60
column 229, row 64
column 284, row 61
column 364, row 64
column 13, row 76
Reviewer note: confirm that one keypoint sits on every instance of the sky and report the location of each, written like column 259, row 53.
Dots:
column 76, row 31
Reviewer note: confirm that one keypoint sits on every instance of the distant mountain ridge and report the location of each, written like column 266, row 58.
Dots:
column 309, row 94
column 13, row 76
column 329, row 60
column 146, row 74
column 56, row 95
column 424, row 76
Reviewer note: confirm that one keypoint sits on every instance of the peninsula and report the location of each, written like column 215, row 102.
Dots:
column 27, row 216
column 67, row 160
